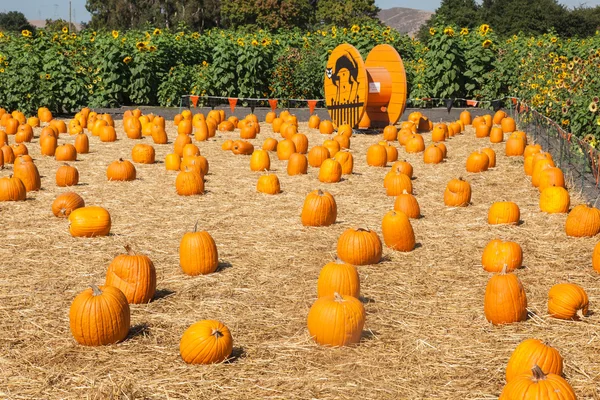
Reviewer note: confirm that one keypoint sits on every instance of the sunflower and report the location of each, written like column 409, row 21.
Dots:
column 115, row 34
column 593, row 107
column 432, row 31
column 355, row 29
column 464, row 31
column 26, row 33
column 597, row 121
column 566, row 122
column 449, row 31
column 240, row 42
column 254, row 42
column 92, row 39
column 47, row 76
column 156, row 32
column 484, row 29
column 204, row 63
column 486, row 43
column 127, row 60
column 65, row 29
column 553, row 39
column 195, row 35
column 152, row 48
column 140, row 46
column 565, row 110
column 595, row 99
column 2, row 71
column 265, row 42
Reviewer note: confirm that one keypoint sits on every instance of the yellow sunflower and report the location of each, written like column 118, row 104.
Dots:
column 127, row 60
column 240, row 42
column 432, row 31
column 140, row 46
column 65, row 29
column 115, row 34
column 464, row 31
column 449, row 31
column 553, row 39
column 26, row 33
column 355, row 29
column 593, row 107
column 486, row 43
column 484, row 29
column 156, row 32
column 254, row 42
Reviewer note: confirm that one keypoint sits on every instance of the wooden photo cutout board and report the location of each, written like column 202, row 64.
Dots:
column 374, row 91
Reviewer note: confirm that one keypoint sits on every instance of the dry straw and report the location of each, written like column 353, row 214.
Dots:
column 426, row 335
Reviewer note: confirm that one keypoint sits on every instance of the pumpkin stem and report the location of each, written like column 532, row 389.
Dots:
column 120, row 160
column 503, row 272
column 320, row 192
column 196, row 226
column 217, row 333
column 96, row 290
column 337, row 297
column 538, row 374
column 129, row 250
column 404, row 191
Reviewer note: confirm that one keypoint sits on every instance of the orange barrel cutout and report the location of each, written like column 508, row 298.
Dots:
column 372, row 92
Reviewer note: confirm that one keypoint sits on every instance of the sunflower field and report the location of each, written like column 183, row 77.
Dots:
column 66, row 71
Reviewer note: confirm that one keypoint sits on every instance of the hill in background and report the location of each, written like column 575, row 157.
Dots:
column 404, row 20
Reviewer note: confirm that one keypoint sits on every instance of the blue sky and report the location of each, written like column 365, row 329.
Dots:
column 42, row 9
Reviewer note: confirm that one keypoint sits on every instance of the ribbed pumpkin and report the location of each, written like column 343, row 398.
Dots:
column 285, row 149
column 508, row 125
column 297, row 164
column 491, row 156
column 359, row 247
column 504, row 212
column 551, row 177
column 242, row 147
column 197, row 163
column 332, row 146
column 538, row 167
column 12, row 189
column 532, row 352
column 300, row 142
column 99, row 316
column 396, row 183
column 390, row 133
column 583, row 221
column 143, row 154
column 346, row 160
column 539, row 386
column 330, row 171
column 269, row 144
column 397, row 231
column 376, row 156
column 555, row 199
column 82, row 143
column 121, row 170
column 408, row 204
column 313, row 121
column 65, row 203
column 338, row 277
column 498, row 117
column 134, row 275
column 260, row 160
column 28, row 173
column 172, row 162
column 515, row 146
column 320, row 209
column 403, row 166
column 67, row 175
column 189, row 183
column 498, row 255
column 89, row 222
column 336, row 320
column 8, row 155
column 198, row 253
column 206, row 342
column 505, row 300
column 433, row 155
column 268, row 184
column 566, row 300
column 65, row 152
column 496, row 135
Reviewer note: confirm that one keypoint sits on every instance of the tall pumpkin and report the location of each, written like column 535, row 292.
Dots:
column 198, row 253
column 320, row 209
column 134, row 274
column 28, row 173
column 505, row 300
column 397, row 231
column 99, row 316
column 408, row 204
column 336, row 320
column 359, row 247
column 206, row 342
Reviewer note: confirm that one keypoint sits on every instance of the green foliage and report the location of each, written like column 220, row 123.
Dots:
column 346, row 13
column 14, row 21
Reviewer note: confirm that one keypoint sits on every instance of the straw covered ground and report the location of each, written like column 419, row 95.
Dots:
column 425, row 334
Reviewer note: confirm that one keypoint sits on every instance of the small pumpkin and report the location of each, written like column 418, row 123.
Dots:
column 143, row 154
column 396, row 183
column 338, row 278
column 408, row 204
column 505, row 300
column 478, row 162
column 508, row 125
column 301, row 143
column 330, row 171
column 359, row 247
column 134, row 274
column 82, row 143
column 336, row 320
column 65, row 203
column 376, row 156
column 414, row 144
column 515, row 146
column 12, row 189
column 285, row 149
column 198, row 253
column 67, row 175
column 496, row 135
column 269, row 144
column 491, row 156
column 566, row 300
column 65, row 152
column 206, row 342
column 498, row 255
column 397, row 231
column 390, row 133
column 346, row 160
column 99, row 316
column 313, row 121
column 532, row 352
column 326, row 127
column 317, row 155
column 551, row 177
column 433, row 155
column 504, row 212
column 121, row 170
column 89, row 222
column 189, row 183
column 403, row 166
column 319, row 209
column 330, row 145
column 268, row 184
column 172, row 162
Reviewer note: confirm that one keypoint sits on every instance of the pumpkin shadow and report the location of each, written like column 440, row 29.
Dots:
column 368, row 335
column 418, row 246
column 366, row 300
column 162, row 293
column 223, row 265
column 138, row 330
column 236, row 354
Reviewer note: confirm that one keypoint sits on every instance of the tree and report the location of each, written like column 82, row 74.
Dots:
column 15, row 21
column 267, row 14
column 346, row 13
column 461, row 13
column 508, row 17
column 58, row 25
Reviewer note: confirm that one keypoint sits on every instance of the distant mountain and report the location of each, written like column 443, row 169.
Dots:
column 405, row 20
